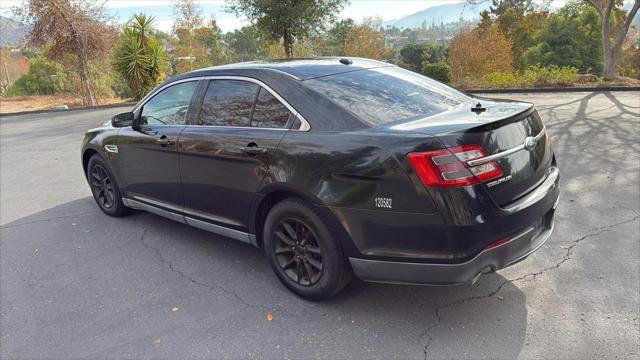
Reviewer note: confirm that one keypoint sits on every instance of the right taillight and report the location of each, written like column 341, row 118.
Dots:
column 448, row 167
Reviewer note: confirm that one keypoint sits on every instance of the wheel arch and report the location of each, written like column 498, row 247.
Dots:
column 273, row 195
column 86, row 155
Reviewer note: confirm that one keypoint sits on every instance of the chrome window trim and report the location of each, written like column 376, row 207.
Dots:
column 304, row 124
column 502, row 154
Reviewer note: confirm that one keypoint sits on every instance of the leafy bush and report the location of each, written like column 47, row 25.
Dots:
column 538, row 76
column 439, row 71
column 502, row 80
column 414, row 56
column 43, row 78
column 534, row 76
column 102, row 79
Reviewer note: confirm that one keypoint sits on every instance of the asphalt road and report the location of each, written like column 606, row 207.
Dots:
column 75, row 283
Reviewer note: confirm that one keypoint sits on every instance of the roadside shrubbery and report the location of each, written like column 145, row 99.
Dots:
column 44, row 78
column 439, row 71
column 533, row 76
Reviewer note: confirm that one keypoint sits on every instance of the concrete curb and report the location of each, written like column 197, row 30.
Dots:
column 42, row 111
column 550, row 90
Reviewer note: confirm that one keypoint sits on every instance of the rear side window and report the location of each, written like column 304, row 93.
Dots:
column 382, row 95
column 228, row 103
column 269, row 112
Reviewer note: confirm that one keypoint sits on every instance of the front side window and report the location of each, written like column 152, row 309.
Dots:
column 269, row 112
column 228, row 103
column 169, row 106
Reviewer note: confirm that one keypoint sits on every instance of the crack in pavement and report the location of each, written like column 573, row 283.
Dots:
column 213, row 287
column 2, row 227
column 566, row 257
column 183, row 275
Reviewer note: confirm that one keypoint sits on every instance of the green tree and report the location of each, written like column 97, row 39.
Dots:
column 44, row 78
column 287, row 20
column 244, row 44
column 211, row 37
column 338, row 35
column 519, row 21
column 570, row 37
column 412, row 56
column 139, row 57
column 485, row 19
column 70, row 28
column 187, row 18
column 416, row 56
column 197, row 43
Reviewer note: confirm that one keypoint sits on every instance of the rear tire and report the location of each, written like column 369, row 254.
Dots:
column 104, row 188
column 303, row 252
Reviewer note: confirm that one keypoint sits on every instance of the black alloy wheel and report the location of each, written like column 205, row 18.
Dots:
column 102, row 186
column 305, row 251
column 105, row 188
column 298, row 252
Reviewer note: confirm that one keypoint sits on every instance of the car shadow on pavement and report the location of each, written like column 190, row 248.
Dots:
column 55, row 260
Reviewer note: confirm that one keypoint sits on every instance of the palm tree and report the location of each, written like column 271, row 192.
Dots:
column 139, row 56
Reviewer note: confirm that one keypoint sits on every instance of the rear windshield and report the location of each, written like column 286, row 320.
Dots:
column 382, row 95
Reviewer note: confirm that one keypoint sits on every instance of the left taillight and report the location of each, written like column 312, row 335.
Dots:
column 448, row 167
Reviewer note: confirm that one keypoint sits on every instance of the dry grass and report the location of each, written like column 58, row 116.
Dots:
column 43, row 102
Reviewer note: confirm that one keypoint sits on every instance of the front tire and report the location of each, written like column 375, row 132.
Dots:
column 104, row 188
column 303, row 252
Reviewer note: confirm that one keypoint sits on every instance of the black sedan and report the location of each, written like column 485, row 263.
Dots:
column 335, row 167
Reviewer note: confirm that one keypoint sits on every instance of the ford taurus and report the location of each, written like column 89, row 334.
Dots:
column 335, row 167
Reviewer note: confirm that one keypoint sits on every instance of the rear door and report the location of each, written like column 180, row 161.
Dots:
column 226, row 151
column 148, row 152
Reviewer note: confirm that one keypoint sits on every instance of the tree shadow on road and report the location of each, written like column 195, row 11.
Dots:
column 78, row 247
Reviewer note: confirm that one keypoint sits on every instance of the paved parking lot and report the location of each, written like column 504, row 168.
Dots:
column 75, row 283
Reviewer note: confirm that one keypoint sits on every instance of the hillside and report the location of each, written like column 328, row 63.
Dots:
column 448, row 13
column 11, row 31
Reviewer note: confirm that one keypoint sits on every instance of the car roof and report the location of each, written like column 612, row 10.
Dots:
column 286, row 77
column 304, row 69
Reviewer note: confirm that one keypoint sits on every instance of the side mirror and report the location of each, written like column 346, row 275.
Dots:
column 122, row 120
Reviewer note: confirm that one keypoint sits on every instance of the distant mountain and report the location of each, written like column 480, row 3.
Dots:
column 11, row 32
column 448, row 13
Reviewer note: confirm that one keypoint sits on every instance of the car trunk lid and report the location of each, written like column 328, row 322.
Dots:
column 510, row 132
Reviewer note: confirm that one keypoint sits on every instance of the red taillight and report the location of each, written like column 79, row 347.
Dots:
column 448, row 167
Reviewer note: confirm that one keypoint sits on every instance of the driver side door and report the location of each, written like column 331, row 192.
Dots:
column 148, row 149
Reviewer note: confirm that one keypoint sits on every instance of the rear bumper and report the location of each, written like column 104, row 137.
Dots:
column 516, row 249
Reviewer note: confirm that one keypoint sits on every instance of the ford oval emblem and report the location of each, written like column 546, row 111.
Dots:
column 530, row 143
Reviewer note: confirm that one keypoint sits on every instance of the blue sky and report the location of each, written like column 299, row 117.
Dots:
column 161, row 9
column 122, row 10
